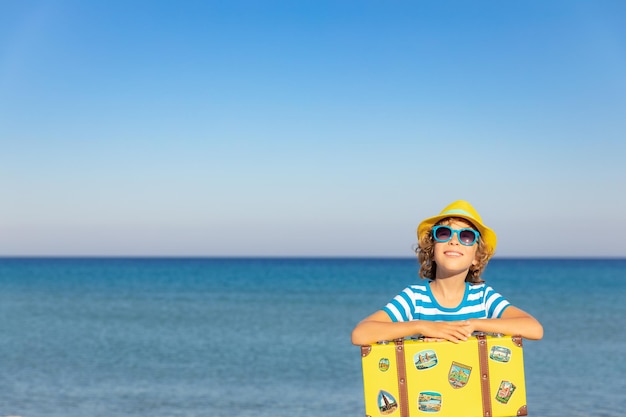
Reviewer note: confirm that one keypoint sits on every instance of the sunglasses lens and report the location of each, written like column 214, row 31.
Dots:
column 443, row 233
column 467, row 237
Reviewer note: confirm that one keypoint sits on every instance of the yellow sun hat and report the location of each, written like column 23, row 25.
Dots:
column 464, row 210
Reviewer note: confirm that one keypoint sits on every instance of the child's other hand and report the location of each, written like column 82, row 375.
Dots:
column 454, row 331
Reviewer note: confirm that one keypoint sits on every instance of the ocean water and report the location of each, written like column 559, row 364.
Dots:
column 271, row 337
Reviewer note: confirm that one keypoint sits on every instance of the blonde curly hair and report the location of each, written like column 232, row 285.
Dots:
column 426, row 248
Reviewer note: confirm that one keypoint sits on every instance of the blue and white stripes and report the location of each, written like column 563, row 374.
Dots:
column 416, row 302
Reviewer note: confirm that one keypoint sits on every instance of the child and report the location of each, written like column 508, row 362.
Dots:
column 453, row 249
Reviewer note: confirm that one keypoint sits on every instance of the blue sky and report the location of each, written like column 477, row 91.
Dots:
column 314, row 128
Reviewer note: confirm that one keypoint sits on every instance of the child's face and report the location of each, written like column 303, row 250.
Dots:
column 452, row 257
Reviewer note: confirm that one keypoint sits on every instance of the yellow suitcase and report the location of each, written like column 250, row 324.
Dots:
column 482, row 377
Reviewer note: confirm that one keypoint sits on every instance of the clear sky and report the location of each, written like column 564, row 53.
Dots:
column 315, row 128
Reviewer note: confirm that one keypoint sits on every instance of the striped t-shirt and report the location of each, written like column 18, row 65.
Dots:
column 416, row 302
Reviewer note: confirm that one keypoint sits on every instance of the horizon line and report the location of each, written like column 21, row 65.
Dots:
column 301, row 257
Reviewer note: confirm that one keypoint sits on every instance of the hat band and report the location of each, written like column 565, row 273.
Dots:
column 459, row 211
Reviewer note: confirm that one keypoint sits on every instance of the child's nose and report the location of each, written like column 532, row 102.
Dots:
column 455, row 239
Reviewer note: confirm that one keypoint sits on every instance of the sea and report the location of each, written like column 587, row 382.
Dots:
column 270, row 337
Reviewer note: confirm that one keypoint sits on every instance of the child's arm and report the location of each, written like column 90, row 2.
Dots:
column 513, row 321
column 379, row 326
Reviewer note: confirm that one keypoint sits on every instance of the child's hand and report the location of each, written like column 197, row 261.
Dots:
column 454, row 331
column 432, row 339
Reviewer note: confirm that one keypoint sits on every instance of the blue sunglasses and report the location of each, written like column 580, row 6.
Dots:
column 466, row 236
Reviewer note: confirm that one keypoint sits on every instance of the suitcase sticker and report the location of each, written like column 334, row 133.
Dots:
column 459, row 375
column 386, row 403
column 383, row 364
column 500, row 354
column 429, row 402
column 505, row 392
column 425, row 359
